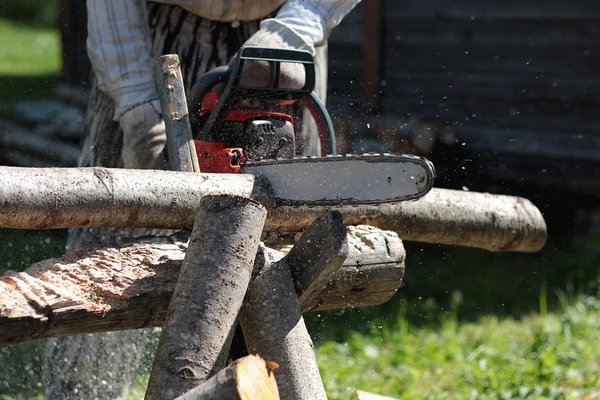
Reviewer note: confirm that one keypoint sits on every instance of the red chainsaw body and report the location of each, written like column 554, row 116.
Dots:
column 217, row 157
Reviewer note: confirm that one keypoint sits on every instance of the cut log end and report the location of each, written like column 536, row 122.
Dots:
column 248, row 378
column 256, row 378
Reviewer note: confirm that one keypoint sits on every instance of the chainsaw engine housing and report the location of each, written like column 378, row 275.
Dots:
column 247, row 134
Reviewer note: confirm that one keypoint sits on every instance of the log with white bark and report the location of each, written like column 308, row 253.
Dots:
column 271, row 317
column 50, row 198
column 208, row 294
column 100, row 289
column 250, row 377
column 317, row 256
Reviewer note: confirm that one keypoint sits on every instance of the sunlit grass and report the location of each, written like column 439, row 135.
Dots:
column 555, row 356
column 28, row 50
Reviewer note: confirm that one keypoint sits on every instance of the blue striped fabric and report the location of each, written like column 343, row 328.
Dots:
column 119, row 42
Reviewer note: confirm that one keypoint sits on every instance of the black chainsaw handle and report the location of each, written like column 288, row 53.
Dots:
column 232, row 74
column 204, row 85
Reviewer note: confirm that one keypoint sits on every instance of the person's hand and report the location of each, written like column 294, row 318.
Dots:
column 274, row 34
column 144, row 137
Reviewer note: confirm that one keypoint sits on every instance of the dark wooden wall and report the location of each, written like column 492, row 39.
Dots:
column 518, row 80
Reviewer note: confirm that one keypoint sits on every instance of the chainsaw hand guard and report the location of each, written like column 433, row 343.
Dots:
column 235, row 91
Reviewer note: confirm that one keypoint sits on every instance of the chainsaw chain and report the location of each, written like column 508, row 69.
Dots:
column 369, row 157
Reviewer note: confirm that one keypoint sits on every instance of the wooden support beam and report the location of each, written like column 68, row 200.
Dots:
column 52, row 198
column 210, row 287
column 271, row 317
column 100, row 289
column 180, row 145
column 248, row 378
column 317, row 256
column 273, row 326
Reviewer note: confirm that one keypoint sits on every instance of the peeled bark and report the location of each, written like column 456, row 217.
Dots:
column 208, row 295
column 248, row 378
column 52, row 198
column 129, row 287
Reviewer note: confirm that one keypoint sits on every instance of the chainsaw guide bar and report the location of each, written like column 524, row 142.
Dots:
column 340, row 180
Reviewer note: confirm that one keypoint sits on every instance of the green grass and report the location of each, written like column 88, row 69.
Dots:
column 27, row 50
column 555, row 356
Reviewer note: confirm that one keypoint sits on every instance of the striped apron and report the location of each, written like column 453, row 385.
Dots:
column 101, row 366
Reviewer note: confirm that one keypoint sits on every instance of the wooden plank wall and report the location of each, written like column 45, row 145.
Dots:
column 514, row 78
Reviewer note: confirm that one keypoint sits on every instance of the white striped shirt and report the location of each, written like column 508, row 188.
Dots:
column 119, row 42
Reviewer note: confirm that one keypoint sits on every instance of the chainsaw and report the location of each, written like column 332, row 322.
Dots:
column 232, row 138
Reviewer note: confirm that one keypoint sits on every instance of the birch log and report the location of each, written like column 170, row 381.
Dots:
column 208, row 295
column 48, row 198
column 108, row 289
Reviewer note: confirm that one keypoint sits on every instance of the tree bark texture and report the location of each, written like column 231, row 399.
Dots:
column 273, row 327
column 208, row 295
column 36, row 198
column 318, row 255
column 99, row 289
column 482, row 220
column 103, row 197
column 248, row 378
column 180, row 145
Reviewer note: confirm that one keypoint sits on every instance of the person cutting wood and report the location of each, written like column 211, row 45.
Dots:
column 125, row 127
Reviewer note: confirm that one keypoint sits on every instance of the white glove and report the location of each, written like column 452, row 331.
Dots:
column 144, row 137
column 275, row 34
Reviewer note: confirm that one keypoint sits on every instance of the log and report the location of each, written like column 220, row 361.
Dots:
column 211, row 287
column 180, row 145
column 248, row 378
column 271, row 317
column 451, row 217
column 100, row 289
column 49, row 198
column 56, row 198
column 317, row 256
column 371, row 274
column 274, row 328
